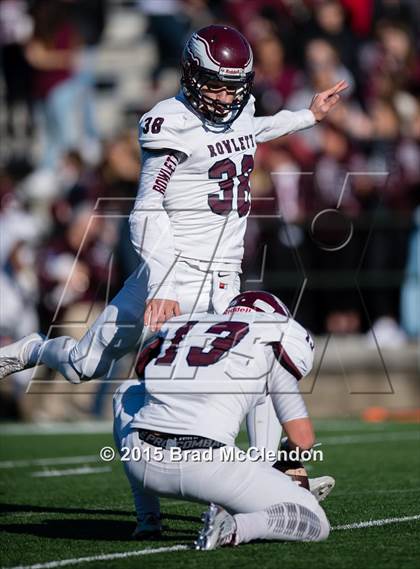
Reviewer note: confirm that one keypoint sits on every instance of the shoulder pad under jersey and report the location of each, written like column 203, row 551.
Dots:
column 166, row 125
column 295, row 349
column 291, row 344
column 250, row 106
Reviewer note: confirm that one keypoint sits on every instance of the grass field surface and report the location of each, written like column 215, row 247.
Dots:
column 62, row 506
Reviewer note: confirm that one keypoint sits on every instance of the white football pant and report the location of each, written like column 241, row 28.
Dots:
column 265, row 432
column 266, row 503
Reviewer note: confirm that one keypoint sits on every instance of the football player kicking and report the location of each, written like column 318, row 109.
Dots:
column 189, row 219
column 202, row 377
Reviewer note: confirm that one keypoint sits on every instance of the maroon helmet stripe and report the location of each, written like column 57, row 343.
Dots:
column 285, row 360
column 225, row 46
column 206, row 45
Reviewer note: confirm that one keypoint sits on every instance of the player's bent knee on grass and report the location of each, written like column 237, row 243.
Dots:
column 264, row 503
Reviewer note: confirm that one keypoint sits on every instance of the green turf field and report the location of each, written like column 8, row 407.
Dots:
column 88, row 513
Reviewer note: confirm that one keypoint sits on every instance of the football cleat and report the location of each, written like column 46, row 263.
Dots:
column 14, row 357
column 148, row 527
column 321, row 487
column 219, row 529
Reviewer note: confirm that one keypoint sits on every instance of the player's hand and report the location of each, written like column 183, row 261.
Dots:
column 158, row 311
column 323, row 102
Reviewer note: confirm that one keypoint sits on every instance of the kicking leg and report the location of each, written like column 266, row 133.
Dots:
column 113, row 334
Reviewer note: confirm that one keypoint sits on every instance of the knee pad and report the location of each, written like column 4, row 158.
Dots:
column 110, row 338
column 56, row 355
column 87, row 358
column 294, row 521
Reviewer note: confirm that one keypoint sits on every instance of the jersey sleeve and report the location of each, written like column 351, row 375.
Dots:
column 294, row 351
column 160, row 130
column 282, row 123
column 292, row 359
column 150, row 227
column 286, row 397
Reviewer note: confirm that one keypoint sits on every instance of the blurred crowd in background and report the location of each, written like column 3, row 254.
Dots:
column 335, row 223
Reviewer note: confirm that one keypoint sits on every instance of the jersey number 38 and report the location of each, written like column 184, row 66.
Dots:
column 222, row 202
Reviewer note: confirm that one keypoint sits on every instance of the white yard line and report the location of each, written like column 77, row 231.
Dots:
column 347, row 426
column 374, row 523
column 394, row 491
column 369, row 438
column 57, row 428
column 50, row 461
column 174, row 548
column 106, row 557
column 70, row 471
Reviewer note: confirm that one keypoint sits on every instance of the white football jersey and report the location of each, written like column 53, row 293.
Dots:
column 207, row 372
column 207, row 195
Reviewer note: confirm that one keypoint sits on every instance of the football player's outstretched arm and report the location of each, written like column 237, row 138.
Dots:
column 287, row 122
column 151, row 236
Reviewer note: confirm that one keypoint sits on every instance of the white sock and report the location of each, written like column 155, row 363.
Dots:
column 250, row 526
